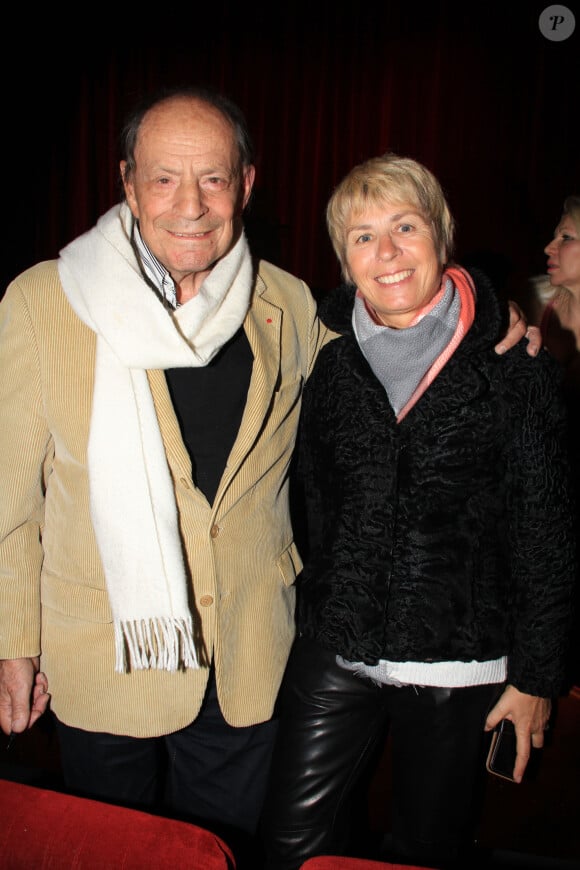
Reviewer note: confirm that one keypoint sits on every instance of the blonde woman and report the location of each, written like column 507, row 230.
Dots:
column 560, row 324
column 560, row 329
column 435, row 596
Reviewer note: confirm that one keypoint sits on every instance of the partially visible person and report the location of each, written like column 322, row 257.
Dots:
column 560, row 329
column 560, row 321
column 435, row 596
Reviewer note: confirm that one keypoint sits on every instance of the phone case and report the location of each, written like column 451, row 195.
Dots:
column 502, row 751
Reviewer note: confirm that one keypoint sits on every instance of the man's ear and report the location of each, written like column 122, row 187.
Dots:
column 128, row 188
column 248, row 178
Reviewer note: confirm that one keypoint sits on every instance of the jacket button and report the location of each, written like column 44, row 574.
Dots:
column 214, row 532
column 206, row 600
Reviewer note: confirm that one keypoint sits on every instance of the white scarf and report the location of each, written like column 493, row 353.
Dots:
column 132, row 500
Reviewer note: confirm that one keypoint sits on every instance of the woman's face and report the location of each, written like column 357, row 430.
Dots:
column 391, row 257
column 563, row 254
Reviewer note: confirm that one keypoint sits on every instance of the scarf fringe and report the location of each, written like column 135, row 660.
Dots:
column 163, row 643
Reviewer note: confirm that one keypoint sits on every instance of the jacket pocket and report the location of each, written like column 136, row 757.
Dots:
column 289, row 564
column 75, row 599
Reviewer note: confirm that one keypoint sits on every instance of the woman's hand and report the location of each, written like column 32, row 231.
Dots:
column 530, row 715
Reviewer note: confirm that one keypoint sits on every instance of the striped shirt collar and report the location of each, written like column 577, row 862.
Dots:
column 154, row 270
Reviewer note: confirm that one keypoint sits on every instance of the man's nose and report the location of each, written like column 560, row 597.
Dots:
column 191, row 201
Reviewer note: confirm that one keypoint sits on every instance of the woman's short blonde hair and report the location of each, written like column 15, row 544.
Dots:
column 389, row 179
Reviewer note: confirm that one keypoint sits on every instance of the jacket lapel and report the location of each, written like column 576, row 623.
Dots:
column 263, row 326
column 175, row 449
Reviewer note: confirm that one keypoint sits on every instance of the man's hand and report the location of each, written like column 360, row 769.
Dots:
column 518, row 327
column 23, row 694
column 530, row 715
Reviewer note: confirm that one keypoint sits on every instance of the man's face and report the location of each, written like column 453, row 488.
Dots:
column 188, row 190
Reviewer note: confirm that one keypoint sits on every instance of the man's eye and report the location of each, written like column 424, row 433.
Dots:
column 216, row 182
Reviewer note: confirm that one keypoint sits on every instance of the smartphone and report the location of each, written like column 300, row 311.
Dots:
column 503, row 750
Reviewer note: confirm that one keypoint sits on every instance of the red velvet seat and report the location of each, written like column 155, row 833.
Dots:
column 48, row 830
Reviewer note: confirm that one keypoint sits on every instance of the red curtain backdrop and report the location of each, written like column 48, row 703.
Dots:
column 475, row 92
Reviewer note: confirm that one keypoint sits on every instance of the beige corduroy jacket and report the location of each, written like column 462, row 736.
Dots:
column 240, row 550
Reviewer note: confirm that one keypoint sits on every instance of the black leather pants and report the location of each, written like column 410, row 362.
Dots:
column 331, row 724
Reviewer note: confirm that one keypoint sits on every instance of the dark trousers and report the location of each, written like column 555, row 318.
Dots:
column 331, row 724
column 209, row 772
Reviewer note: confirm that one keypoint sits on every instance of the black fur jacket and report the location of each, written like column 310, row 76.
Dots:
column 448, row 536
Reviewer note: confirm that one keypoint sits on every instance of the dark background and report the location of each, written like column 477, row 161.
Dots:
column 475, row 91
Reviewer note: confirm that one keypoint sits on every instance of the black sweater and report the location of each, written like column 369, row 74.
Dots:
column 448, row 536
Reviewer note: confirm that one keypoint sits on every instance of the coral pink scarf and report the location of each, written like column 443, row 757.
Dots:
column 465, row 287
